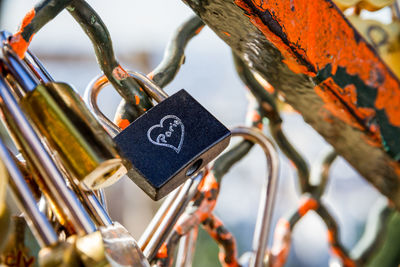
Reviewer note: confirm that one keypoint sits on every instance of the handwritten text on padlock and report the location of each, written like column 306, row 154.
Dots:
column 169, row 133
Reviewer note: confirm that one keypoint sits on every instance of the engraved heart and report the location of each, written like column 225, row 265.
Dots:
column 169, row 133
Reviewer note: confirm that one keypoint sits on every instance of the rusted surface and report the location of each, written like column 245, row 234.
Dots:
column 43, row 12
column 325, row 70
column 135, row 100
column 384, row 38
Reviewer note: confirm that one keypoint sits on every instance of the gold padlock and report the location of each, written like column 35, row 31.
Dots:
column 86, row 150
column 65, row 125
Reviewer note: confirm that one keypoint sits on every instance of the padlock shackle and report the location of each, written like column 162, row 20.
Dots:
column 90, row 96
column 163, row 222
column 16, row 66
column 37, row 221
column 101, row 196
column 152, row 89
column 159, row 226
column 18, row 70
column 37, row 67
column 268, row 193
column 96, row 208
column 187, row 248
column 89, row 200
column 94, row 88
column 92, row 204
column 30, row 60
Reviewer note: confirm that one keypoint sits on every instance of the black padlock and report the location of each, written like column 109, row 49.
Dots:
column 170, row 142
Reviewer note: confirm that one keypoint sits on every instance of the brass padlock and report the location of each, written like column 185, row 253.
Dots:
column 65, row 124
column 119, row 246
column 27, row 140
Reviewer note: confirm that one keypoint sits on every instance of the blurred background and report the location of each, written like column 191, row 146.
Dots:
column 140, row 31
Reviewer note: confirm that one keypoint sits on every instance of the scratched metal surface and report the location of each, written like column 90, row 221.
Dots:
column 295, row 46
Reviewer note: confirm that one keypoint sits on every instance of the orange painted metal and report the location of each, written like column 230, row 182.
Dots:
column 311, row 45
column 313, row 56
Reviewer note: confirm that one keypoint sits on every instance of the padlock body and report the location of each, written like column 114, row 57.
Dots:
column 73, row 134
column 170, row 142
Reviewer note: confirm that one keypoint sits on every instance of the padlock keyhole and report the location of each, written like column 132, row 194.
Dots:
column 195, row 166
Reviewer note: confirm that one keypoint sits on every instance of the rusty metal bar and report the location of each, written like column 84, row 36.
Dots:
column 341, row 88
